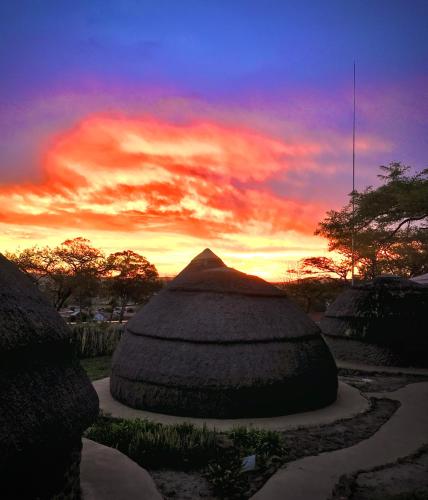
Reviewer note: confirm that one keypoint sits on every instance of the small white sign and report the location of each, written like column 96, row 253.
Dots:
column 249, row 463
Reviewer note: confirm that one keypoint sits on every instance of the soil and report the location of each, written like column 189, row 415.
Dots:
column 377, row 382
column 180, row 485
column 298, row 443
column 406, row 479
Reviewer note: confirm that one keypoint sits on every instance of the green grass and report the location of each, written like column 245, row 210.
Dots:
column 97, row 368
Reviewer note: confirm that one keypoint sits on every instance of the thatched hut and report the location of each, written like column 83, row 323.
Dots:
column 219, row 343
column 46, row 399
column 382, row 322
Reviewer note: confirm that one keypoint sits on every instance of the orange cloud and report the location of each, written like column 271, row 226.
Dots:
column 203, row 180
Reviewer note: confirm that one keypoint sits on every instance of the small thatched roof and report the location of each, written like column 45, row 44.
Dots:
column 46, row 399
column 388, row 312
column 214, row 330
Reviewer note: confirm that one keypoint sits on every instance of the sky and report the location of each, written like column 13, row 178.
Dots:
column 167, row 127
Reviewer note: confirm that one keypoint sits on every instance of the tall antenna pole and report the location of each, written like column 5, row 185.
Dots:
column 353, row 189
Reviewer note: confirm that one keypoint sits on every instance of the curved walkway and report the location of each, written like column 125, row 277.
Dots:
column 313, row 478
column 108, row 474
column 348, row 404
column 391, row 370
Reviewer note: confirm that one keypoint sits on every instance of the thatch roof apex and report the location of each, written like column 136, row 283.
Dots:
column 208, row 273
column 206, row 254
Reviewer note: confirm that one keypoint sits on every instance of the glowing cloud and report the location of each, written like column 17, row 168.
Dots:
column 119, row 174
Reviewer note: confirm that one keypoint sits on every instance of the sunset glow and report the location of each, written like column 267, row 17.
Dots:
column 168, row 127
column 151, row 182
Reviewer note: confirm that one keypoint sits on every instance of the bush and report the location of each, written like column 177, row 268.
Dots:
column 96, row 339
column 186, row 447
column 154, row 445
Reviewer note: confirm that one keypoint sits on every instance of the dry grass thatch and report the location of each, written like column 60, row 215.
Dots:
column 46, row 399
column 380, row 322
column 220, row 343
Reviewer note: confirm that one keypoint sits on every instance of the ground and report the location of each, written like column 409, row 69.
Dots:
column 398, row 481
column 98, row 367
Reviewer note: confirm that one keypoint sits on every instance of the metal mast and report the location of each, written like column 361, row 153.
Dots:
column 353, row 188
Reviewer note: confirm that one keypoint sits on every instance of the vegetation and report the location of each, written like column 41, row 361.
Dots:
column 133, row 279
column 154, row 445
column 75, row 270
column 391, row 237
column 390, row 223
column 96, row 338
column 184, row 446
column 97, row 368
column 312, row 293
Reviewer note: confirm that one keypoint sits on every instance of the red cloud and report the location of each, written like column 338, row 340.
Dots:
column 118, row 174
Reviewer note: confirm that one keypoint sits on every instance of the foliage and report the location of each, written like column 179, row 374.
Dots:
column 390, row 223
column 97, row 368
column 187, row 447
column 131, row 279
column 313, row 293
column 154, row 445
column 82, row 266
column 95, row 338
column 324, row 267
column 226, row 476
column 75, row 270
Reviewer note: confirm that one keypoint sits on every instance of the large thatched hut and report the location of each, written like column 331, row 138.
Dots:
column 219, row 343
column 382, row 322
column 46, row 399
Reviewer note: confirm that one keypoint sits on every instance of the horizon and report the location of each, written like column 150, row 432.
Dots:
column 169, row 128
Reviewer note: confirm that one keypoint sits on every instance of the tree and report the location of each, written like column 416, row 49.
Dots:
column 132, row 279
column 73, row 268
column 390, row 224
column 324, row 267
column 84, row 266
column 45, row 268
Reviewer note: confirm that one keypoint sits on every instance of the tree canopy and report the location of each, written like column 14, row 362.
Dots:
column 132, row 278
column 390, row 223
column 77, row 271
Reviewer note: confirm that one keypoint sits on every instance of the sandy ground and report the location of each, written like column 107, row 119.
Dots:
column 314, row 440
column 406, row 479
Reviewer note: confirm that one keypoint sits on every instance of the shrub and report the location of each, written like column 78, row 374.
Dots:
column 154, row 445
column 96, row 339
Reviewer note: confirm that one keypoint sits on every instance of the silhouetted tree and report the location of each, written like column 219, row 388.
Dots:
column 132, row 279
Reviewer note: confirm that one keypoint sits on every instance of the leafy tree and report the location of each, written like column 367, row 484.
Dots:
column 132, row 279
column 83, row 266
column 313, row 293
column 45, row 268
column 324, row 267
column 390, row 224
column 74, row 268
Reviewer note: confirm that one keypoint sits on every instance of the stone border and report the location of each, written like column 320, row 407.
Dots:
column 349, row 403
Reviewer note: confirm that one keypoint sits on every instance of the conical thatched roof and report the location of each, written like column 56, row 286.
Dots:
column 46, row 399
column 217, row 342
column 380, row 322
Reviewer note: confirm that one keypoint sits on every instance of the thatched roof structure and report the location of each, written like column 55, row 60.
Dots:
column 382, row 322
column 216, row 342
column 46, row 399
